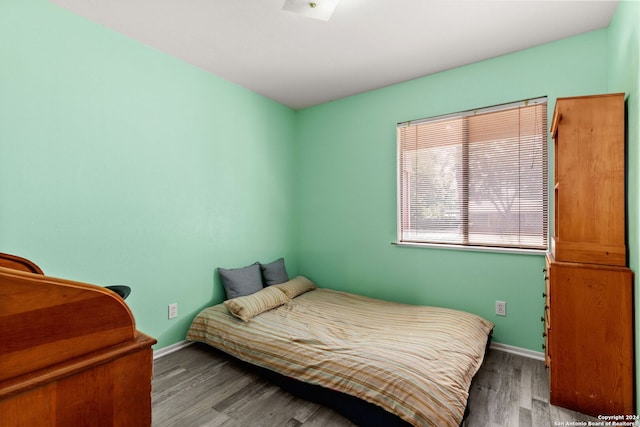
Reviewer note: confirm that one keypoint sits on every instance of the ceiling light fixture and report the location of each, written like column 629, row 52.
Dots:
column 319, row 9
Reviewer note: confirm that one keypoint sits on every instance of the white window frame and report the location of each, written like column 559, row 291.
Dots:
column 538, row 249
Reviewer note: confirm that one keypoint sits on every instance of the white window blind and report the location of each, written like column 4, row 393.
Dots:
column 476, row 178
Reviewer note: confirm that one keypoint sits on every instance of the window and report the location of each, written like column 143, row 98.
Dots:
column 476, row 178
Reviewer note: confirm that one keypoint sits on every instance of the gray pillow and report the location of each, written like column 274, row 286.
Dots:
column 239, row 282
column 274, row 273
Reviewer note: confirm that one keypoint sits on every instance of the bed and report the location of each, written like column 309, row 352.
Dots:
column 405, row 364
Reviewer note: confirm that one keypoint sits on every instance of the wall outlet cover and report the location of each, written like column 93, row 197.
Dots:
column 501, row 308
column 173, row 310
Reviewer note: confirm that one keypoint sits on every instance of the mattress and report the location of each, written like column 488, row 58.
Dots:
column 416, row 362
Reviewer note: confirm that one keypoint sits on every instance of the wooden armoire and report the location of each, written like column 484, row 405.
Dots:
column 589, row 299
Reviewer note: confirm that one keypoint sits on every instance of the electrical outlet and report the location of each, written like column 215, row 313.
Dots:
column 501, row 308
column 173, row 310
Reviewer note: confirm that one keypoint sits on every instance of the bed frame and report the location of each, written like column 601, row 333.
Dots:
column 358, row 411
column 70, row 353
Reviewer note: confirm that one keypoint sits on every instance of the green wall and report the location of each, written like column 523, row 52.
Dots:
column 624, row 76
column 347, row 189
column 120, row 164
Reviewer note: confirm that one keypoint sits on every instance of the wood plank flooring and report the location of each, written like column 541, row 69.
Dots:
column 199, row 386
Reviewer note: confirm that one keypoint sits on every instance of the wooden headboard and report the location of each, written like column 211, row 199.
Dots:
column 69, row 349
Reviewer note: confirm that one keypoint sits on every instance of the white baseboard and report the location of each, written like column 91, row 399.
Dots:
column 537, row 355
column 170, row 349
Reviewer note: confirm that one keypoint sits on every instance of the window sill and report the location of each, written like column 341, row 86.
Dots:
column 472, row 248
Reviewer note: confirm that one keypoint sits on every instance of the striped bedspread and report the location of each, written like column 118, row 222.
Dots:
column 414, row 361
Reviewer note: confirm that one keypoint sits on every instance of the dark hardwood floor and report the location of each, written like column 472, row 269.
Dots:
column 199, row 386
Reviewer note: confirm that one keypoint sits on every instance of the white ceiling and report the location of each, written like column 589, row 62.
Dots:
column 367, row 44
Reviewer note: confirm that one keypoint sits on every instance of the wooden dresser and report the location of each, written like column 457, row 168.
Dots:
column 70, row 353
column 589, row 300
